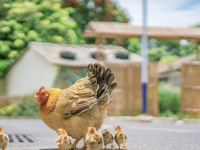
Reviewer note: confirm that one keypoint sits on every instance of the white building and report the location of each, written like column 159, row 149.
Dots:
column 42, row 64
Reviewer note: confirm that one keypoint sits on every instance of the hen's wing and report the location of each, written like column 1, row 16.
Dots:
column 86, row 92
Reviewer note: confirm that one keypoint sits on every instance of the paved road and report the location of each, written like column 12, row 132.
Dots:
column 32, row 134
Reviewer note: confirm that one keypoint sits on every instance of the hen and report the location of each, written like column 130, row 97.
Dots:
column 82, row 105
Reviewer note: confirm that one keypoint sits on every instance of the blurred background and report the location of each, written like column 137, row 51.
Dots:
column 51, row 42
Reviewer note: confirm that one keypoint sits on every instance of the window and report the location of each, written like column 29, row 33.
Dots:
column 67, row 55
column 94, row 55
column 122, row 55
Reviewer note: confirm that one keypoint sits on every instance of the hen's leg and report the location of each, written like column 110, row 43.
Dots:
column 75, row 143
column 84, row 146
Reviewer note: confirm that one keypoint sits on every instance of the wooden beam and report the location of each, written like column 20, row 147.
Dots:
column 100, row 40
column 110, row 30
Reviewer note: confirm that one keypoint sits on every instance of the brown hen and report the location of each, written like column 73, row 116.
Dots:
column 82, row 105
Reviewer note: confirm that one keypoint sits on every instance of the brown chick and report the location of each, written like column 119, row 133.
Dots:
column 107, row 138
column 79, row 106
column 93, row 140
column 120, row 137
column 3, row 139
column 63, row 141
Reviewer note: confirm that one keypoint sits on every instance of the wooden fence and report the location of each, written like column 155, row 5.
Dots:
column 190, row 98
column 127, row 98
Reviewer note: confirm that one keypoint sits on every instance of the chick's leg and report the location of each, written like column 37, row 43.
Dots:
column 105, row 146
column 124, row 145
column 112, row 145
column 75, row 143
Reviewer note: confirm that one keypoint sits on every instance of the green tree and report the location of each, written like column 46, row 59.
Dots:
column 95, row 10
column 23, row 21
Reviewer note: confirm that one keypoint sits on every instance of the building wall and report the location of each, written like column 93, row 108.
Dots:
column 29, row 73
column 69, row 75
column 173, row 78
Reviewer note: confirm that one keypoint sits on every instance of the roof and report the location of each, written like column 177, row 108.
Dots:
column 51, row 52
column 175, row 66
column 116, row 30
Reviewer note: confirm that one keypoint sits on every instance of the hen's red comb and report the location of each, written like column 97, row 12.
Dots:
column 40, row 90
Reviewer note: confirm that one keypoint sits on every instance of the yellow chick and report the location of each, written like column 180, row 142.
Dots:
column 93, row 140
column 120, row 137
column 3, row 139
column 63, row 141
column 107, row 138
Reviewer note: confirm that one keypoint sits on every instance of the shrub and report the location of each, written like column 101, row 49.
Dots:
column 133, row 45
column 26, row 107
column 24, row 21
column 169, row 100
column 156, row 54
column 168, row 59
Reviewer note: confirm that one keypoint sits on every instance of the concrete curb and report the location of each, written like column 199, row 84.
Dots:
column 140, row 118
column 146, row 118
column 165, row 119
column 191, row 120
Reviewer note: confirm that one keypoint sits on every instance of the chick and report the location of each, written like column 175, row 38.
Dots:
column 3, row 139
column 93, row 140
column 63, row 142
column 120, row 137
column 82, row 105
column 107, row 138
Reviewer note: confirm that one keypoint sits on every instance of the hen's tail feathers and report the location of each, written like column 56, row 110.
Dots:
column 101, row 80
